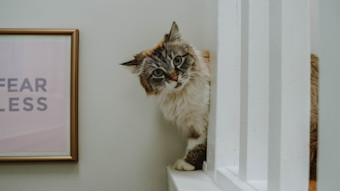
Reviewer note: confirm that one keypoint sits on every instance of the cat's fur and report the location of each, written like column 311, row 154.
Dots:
column 182, row 91
column 314, row 115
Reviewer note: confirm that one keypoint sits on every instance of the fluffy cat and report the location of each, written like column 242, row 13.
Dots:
column 178, row 76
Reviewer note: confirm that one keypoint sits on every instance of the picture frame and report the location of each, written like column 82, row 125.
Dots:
column 38, row 94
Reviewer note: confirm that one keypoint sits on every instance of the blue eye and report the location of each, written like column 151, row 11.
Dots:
column 158, row 73
column 177, row 61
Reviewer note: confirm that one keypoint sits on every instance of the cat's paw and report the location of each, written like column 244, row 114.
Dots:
column 183, row 166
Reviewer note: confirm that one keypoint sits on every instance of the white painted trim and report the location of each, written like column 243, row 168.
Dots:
column 229, row 181
column 284, row 67
column 190, row 181
column 295, row 100
column 244, row 86
column 224, row 124
column 289, row 103
column 274, row 130
column 258, row 91
column 329, row 121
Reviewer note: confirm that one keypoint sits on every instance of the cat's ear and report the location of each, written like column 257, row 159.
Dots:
column 174, row 33
column 134, row 65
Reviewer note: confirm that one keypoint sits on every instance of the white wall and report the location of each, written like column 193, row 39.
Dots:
column 314, row 26
column 124, row 144
column 329, row 153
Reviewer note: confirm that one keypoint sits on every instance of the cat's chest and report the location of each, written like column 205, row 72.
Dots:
column 178, row 106
column 185, row 108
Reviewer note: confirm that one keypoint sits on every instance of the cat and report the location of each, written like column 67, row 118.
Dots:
column 314, row 115
column 178, row 75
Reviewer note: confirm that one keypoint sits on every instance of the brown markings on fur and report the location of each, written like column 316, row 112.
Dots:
column 140, row 56
column 146, row 86
column 196, row 60
column 312, row 185
column 147, row 53
column 197, row 156
column 206, row 57
column 314, row 115
column 138, row 60
column 174, row 75
column 193, row 134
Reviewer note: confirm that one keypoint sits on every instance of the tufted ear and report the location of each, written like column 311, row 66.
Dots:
column 134, row 65
column 174, row 33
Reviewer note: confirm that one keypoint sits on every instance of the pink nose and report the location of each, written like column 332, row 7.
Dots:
column 175, row 78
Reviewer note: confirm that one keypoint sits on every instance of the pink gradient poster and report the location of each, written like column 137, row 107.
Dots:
column 34, row 96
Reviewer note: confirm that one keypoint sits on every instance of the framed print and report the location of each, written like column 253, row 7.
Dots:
column 38, row 95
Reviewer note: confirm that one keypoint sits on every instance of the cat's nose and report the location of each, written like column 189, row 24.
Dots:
column 175, row 78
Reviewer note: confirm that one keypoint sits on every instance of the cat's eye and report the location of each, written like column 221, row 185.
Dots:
column 177, row 61
column 158, row 72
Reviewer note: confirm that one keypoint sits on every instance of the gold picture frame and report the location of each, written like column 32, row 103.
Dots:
column 69, row 133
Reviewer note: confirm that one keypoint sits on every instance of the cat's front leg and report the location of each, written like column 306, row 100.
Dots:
column 195, row 154
column 182, row 165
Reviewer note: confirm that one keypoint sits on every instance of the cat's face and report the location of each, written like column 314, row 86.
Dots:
column 166, row 68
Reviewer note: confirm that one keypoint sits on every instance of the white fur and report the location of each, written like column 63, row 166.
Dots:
column 188, row 107
column 182, row 165
column 193, row 142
